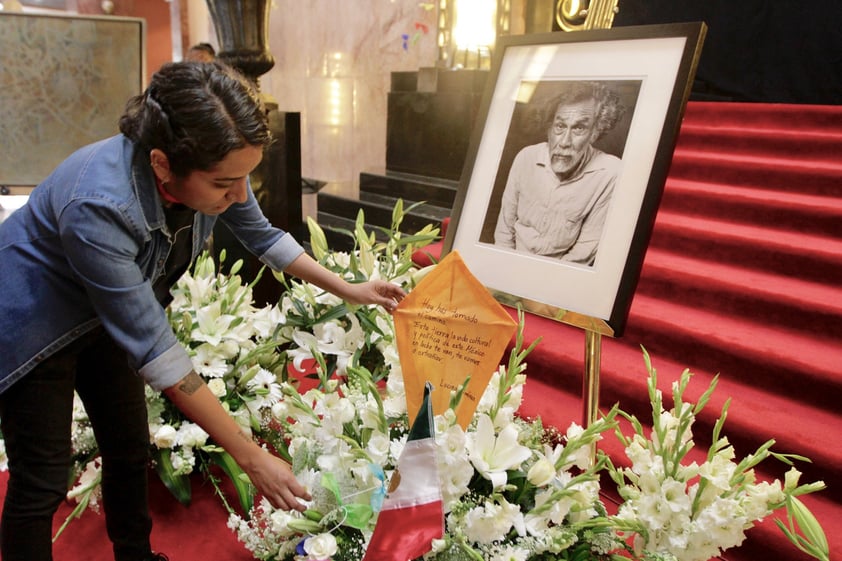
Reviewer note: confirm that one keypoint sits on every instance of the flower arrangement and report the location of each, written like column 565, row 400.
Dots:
column 686, row 511
column 516, row 490
column 513, row 489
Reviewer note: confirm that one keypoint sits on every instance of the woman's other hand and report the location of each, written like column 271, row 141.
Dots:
column 377, row 292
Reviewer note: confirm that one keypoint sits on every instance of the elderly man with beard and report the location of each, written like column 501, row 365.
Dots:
column 557, row 194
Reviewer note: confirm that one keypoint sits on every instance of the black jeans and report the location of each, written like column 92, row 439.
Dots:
column 36, row 415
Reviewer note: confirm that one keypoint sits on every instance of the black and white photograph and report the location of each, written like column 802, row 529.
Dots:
column 562, row 158
column 567, row 166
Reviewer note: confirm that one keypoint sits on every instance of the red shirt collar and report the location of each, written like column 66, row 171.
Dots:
column 163, row 192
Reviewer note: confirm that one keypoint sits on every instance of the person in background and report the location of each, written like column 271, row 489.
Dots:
column 557, row 194
column 85, row 271
column 201, row 52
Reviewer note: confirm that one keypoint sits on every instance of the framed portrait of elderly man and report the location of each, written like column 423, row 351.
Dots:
column 567, row 165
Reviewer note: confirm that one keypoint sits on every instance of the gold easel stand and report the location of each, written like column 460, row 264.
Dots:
column 594, row 329
column 590, row 382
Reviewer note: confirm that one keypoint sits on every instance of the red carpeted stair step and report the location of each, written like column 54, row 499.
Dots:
column 773, row 299
column 785, row 210
column 804, row 117
column 811, row 257
column 796, row 175
column 786, row 142
column 775, row 357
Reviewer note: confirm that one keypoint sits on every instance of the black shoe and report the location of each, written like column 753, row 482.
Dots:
column 159, row 557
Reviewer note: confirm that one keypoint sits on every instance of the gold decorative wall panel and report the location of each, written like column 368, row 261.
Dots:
column 64, row 82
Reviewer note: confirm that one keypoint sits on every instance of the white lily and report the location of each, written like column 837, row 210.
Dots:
column 492, row 455
column 213, row 324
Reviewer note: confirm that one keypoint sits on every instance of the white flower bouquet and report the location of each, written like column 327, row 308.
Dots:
column 688, row 511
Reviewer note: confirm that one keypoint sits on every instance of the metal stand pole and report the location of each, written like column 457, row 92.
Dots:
column 590, row 382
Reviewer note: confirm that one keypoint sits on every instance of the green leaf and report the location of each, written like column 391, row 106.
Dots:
column 369, row 324
column 245, row 490
column 178, row 484
column 398, row 214
column 336, row 312
column 814, row 535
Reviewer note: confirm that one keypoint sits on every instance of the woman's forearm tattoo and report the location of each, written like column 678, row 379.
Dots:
column 190, row 383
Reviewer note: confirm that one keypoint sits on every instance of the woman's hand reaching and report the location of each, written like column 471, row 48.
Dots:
column 377, row 292
column 271, row 475
column 274, row 479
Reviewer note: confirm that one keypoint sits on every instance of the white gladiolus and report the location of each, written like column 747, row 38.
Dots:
column 541, row 472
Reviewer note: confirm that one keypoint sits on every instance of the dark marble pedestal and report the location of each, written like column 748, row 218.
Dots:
column 431, row 115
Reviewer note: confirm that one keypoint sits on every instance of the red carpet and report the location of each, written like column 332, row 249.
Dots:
column 197, row 533
column 742, row 278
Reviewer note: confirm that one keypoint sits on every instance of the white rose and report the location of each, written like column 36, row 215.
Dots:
column 217, row 387
column 191, row 434
column 378, row 447
column 164, row 437
column 177, row 462
column 322, row 546
column 279, row 522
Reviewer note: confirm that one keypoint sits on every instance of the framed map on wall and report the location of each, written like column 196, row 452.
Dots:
column 64, row 82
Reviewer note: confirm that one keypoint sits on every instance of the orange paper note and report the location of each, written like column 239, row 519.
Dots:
column 447, row 329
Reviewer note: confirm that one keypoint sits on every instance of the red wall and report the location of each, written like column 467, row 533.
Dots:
column 158, row 26
column 158, row 32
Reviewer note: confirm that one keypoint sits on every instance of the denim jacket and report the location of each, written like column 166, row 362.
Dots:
column 85, row 250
